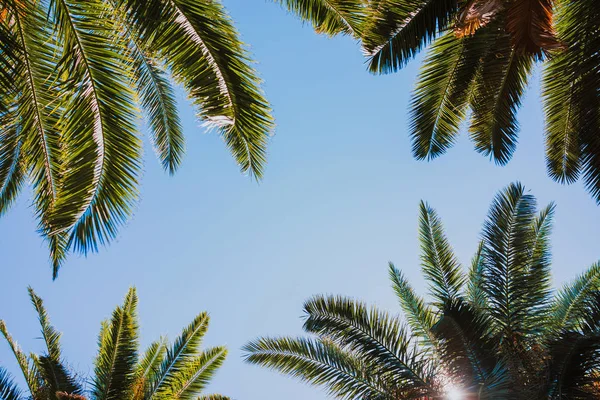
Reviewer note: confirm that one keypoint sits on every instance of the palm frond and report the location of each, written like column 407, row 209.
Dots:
column 27, row 369
column 193, row 377
column 508, row 237
column 148, row 367
column 571, row 303
column 396, row 30
column 499, row 86
column 12, row 169
column 213, row 397
column 529, row 23
column 419, row 315
column 475, row 284
column 318, row 362
column 50, row 335
column 201, row 48
column 330, row 17
column 184, row 349
column 102, row 149
column 439, row 264
column 8, row 388
column 376, row 335
column 116, row 361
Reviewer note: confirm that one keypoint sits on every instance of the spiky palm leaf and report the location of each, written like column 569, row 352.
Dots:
column 500, row 336
column 71, row 75
column 181, row 373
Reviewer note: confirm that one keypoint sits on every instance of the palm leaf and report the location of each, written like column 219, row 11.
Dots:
column 330, row 17
column 381, row 338
column 439, row 264
column 318, row 362
column 28, row 369
column 529, row 23
column 117, row 355
column 148, row 367
column 475, row 285
column 396, row 30
column 8, row 388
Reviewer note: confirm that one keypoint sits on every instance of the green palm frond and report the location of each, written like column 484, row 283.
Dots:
column 8, row 388
column 570, row 305
column 508, row 236
column 101, row 185
column 219, row 79
column 27, row 368
column 318, row 362
column 330, row 17
column 193, row 377
column 440, row 99
column 183, row 351
column 373, row 333
column 475, row 285
column 148, row 367
column 438, row 261
column 213, row 397
column 396, row 30
column 499, row 86
column 117, row 355
column 419, row 315
column 12, row 170
column 50, row 335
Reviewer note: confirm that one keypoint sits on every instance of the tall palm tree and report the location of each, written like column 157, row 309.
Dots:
column 478, row 66
column 177, row 371
column 496, row 332
column 72, row 74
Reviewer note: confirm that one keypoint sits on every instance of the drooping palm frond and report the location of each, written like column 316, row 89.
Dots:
column 330, row 17
column 369, row 331
column 529, row 23
column 116, row 361
column 318, row 362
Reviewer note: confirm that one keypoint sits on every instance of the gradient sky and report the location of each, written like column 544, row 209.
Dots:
column 338, row 201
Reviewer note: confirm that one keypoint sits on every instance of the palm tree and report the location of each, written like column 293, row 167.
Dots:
column 72, row 74
column 177, row 371
column 496, row 332
column 478, row 66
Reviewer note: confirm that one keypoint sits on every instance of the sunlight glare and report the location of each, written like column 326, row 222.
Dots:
column 454, row 393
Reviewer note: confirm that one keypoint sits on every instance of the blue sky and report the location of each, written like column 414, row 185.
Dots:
column 338, row 201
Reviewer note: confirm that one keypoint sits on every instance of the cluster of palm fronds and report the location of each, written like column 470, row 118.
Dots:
column 179, row 371
column 497, row 332
column 480, row 61
column 72, row 73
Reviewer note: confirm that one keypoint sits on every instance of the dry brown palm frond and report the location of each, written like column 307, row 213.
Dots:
column 476, row 14
column 529, row 23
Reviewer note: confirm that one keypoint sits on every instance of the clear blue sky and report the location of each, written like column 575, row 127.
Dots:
column 339, row 200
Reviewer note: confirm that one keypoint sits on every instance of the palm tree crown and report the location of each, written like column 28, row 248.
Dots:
column 479, row 63
column 177, row 371
column 496, row 332
column 72, row 73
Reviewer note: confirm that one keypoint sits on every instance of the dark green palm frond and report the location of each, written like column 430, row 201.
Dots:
column 184, row 350
column 467, row 349
column 569, row 91
column 148, row 367
column 330, row 17
column 376, row 335
column 102, row 149
column 591, row 319
column 475, row 285
column 574, row 364
column 320, row 363
column 507, row 237
column 50, row 366
column 12, row 171
column 193, row 377
column 396, row 30
column 8, row 388
column 40, row 143
column 439, row 101
column 419, row 315
column 156, row 94
column 202, row 49
column 117, row 355
column 439, row 264
column 28, row 369
column 571, row 303
column 499, row 86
